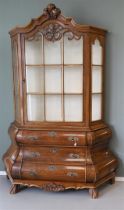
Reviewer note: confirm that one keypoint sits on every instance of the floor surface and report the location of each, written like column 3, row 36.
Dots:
column 111, row 197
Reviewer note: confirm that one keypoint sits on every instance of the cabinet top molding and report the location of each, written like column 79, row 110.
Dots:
column 53, row 14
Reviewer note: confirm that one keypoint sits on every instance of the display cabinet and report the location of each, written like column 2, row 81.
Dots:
column 59, row 137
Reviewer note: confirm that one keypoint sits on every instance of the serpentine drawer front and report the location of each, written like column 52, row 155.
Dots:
column 58, row 155
column 50, row 172
column 52, row 138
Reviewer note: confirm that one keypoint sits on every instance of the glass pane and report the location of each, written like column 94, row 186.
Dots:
column 73, row 108
column 73, row 50
column 73, row 79
column 52, row 52
column 35, row 79
column 53, row 108
column 96, row 79
column 33, row 52
column 96, row 106
column 53, row 81
column 96, row 53
column 35, row 107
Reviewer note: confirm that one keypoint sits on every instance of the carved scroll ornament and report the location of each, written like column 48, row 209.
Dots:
column 53, row 32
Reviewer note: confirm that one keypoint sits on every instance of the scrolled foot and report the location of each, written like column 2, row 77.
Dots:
column 14, row 189
column 112, row 181
column 7, row 176
column 94, row 193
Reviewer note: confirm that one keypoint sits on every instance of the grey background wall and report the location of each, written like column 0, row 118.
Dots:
column 108, row 14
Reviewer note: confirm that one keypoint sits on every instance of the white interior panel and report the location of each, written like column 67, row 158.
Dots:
column 35, row 107
column 53, row 107
column 35, row 79
column 96, row 53
column 53, row 81
column 33, row 52
column 73, row 50
column 96, row 79
column 73, row 108
column 52, row 52
column 96, row 106
column 73, row 79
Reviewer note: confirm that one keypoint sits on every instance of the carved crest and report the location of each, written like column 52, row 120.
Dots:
column 52, row 11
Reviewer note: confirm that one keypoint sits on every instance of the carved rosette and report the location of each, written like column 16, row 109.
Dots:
column 53, row 187
column 52, row 11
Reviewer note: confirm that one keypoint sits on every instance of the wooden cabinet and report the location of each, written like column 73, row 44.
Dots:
column 59, row 137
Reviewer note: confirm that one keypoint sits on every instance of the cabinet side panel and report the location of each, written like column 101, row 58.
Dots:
column 15, row 65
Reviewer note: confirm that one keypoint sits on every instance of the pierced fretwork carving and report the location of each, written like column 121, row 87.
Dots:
column 52, row 11
column 54, row 32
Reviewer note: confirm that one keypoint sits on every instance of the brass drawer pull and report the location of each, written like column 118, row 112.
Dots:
column 32, row 138
column 73, row 155
column 74, row 139
column 72, row 174
column 54, row 150
column 35, row 154
column 51, row 133
column 33, row 173
column 51, row 168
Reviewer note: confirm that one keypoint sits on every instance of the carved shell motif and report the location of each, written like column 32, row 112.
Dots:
column 52, row 11
column 53, row 187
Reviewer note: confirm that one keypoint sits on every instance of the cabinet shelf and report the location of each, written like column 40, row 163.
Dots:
column 52, row 65
column 38, row 93
column 97, row 65
column 97, row 92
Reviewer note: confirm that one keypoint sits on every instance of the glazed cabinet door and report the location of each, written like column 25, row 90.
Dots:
column 54, row 78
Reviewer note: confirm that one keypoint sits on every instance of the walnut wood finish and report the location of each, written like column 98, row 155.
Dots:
column 56, row 156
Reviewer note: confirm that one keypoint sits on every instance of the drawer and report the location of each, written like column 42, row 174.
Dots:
column 51, row 138
column 58, row 155
column 37, row 171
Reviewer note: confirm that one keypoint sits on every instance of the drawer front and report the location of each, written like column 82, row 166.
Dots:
column 51, row 138
column 53, row 172
column 58, row 155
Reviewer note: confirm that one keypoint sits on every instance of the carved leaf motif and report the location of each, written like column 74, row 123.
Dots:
column 73, row 35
